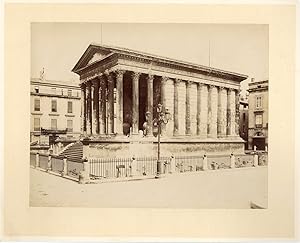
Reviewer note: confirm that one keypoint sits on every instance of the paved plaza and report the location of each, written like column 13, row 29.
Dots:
column 211, row 189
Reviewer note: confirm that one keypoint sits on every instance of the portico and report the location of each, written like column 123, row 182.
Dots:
column 119, row 86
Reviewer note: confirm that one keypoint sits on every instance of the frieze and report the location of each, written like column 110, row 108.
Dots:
column 186, row 66
column 172, row 73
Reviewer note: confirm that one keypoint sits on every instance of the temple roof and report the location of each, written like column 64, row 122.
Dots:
column 89, row 58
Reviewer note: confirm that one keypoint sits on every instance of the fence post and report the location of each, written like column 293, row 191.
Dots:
column 232, row 161
column 49, row 165
column 37, row 160
column 266, row 148
column 133, row 167
column 84, row 176
column 255, row 160
column 254, row 147
column 173, row 166
column 65, row 171
column 205, row 166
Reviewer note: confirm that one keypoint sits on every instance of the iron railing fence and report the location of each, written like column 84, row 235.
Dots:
column 109, row 167
column 217, row 161
column 188, row 163
column 244, row 160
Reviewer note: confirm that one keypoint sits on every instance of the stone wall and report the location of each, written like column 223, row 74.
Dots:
column 139, row 149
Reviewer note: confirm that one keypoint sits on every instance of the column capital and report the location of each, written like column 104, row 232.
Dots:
column 88, row 84
column 135, row 75
column 221, row 88
column 95, row 82
column 120, row 72
column 189, row 83
column 211, row 86
column 150, row 77
column 82, row 85
column 177, row 81
column 164, row 79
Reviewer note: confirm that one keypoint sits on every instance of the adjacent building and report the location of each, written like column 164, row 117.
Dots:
column 258, row 114
column 244, row 120
column 121, row 90
column 55, row 110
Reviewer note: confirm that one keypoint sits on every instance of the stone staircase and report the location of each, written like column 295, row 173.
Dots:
column 73, row 152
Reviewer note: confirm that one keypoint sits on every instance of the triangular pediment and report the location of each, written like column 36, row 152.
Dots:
column 91, row 55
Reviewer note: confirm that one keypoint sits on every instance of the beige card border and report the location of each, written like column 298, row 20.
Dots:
column 23, row 221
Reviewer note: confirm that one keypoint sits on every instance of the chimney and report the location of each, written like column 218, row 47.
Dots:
column 252, row 80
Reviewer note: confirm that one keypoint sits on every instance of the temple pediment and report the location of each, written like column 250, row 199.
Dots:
column 91, row 55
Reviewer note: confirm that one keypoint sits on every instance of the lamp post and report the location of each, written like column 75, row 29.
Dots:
column 163, row 116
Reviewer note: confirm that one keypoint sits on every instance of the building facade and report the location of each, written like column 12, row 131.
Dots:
column 122, row 88
column 55, row 111
column 258, row 114
column 244, row 120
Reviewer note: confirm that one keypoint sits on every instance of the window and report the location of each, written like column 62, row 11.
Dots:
column 54, row 91
column 37, row 89
column 69, row 92
column 70, row 107
column 70, row 125
column 258, row 120
column 36, row 124
column 258, row 104
column 37, row 104
column 244, row 117
column 54, row 105
column 62, row 91
column 53, row 124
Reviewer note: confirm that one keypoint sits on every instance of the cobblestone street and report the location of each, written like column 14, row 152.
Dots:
column 211, row 189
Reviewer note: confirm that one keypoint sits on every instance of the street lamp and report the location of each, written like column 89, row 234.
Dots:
column 163, row 116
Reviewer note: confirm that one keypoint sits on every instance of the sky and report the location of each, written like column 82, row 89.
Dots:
column 57, row 47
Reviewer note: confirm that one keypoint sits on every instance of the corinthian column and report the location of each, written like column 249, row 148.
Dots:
column 203, row 110
column 102, row 101
column 95, row 113
column 83, row 108
column 89, row 109
column 150, row 104
column 231, row 113
column 119, row 101
column 212, row 111
column 135, row 102
column 222, row 109
column 176, row 118
column 237, row 112
column 163, row 101
column 188, row 108
column 110, row 103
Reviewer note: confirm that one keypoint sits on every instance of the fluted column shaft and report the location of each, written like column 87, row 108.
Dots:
column 135, row 102
column 163, row 101
column 231, row 112
column 237, row 112
column 102, row 101
column 150, row 104
column 83, row 108
column 95, row 110
column 188, row 108
column 110, row 103
column 89, row 109
column 222, row 112
column 119, row 101
column 203, row 110
column 212, row 111
column 176, row 108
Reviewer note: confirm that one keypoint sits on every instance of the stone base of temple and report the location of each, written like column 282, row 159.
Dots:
column 147, row 146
